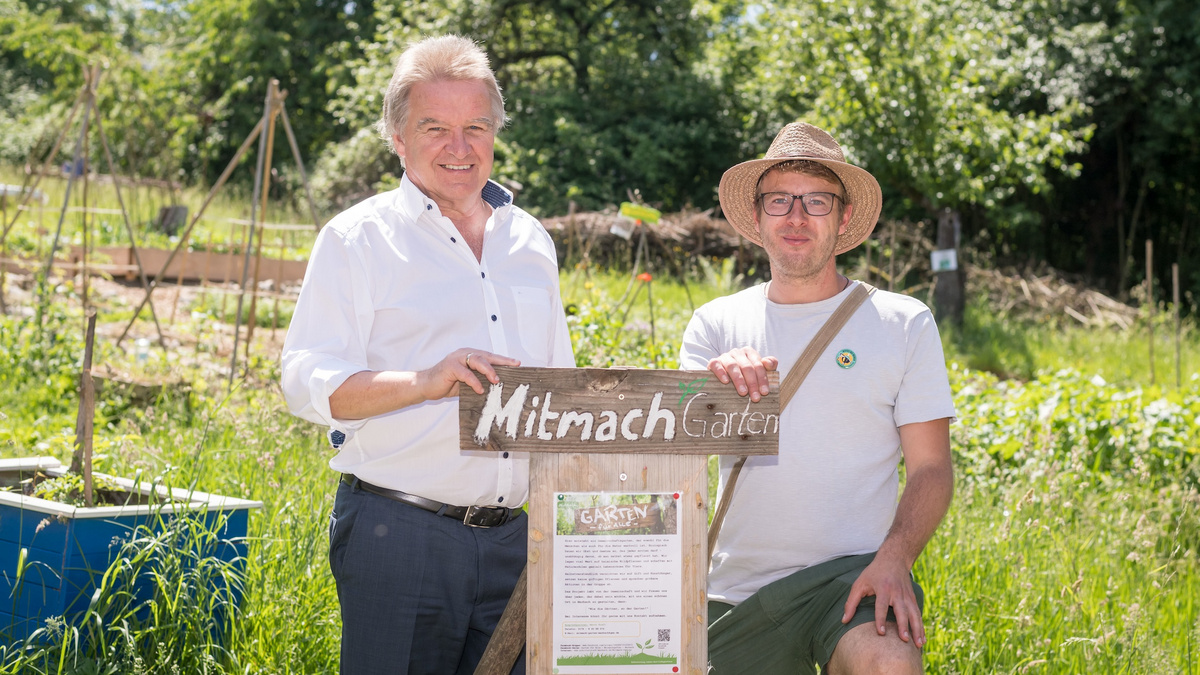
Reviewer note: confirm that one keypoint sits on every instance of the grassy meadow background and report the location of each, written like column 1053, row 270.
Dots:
column 1071, row 545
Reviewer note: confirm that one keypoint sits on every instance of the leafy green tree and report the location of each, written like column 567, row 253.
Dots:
column 1138, row 177
column 939, row 102
column 608, row 98
column 17, row 88
column 605, row 97
column 44, row 50
column 228, row 50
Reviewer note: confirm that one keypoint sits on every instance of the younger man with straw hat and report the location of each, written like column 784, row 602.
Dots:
column 813, row 564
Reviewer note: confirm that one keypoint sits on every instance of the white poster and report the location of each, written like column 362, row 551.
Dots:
column 944, row 260
column 623, row 228
column 618, row 579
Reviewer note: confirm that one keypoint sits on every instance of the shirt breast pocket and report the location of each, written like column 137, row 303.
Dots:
column 535, row 323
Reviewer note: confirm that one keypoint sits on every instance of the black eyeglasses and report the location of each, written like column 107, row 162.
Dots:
column 813, row 203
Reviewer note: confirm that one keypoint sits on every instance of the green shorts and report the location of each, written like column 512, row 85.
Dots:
column 791, row 625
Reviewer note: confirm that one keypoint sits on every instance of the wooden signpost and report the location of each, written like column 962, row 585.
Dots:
column 618, row 506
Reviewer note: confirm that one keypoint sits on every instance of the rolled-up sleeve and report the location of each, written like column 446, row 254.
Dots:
column 327, row 339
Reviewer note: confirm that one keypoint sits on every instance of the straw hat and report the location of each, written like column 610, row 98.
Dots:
column 800, row 140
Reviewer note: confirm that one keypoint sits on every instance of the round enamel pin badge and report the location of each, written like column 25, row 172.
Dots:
column 846, row 358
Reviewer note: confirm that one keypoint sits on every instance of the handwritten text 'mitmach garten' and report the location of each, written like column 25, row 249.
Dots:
column 696, row 419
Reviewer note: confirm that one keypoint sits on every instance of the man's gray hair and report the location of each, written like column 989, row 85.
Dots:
column 446, row 57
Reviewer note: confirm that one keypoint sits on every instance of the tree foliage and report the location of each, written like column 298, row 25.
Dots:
column 44, row 47
column 944, row 109
column 1063, row 130
column 184, row 83
column 228, row 50
column 605, row 96
column 1137, row 181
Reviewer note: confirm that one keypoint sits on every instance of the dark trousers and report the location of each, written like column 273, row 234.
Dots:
column 420, row 593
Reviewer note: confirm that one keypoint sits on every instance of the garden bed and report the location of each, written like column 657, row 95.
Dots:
column 53, row 555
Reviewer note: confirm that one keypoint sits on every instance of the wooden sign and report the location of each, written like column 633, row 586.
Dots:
column 607, row 410
column 618, row 506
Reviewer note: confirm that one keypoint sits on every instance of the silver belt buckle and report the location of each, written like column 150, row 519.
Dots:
column 471, row 510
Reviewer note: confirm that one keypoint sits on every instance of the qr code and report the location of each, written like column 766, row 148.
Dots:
column 664, row 634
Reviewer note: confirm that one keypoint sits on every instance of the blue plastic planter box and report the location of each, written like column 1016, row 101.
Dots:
column 63, row 551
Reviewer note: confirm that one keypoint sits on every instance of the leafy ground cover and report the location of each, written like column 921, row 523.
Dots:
column 1071, row 545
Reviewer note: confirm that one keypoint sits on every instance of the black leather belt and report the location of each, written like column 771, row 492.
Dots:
column 471, row 516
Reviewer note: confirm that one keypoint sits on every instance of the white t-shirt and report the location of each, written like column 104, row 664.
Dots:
column 833, row 488
column 392, row 285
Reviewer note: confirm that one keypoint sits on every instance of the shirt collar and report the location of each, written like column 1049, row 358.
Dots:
column 496, row 195
column 411, row 201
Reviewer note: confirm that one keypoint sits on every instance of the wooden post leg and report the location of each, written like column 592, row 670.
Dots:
column 509, row 639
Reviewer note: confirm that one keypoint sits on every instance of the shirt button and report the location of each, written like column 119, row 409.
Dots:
column 483, row 275
column 506, row 455
column 500, row 500
column 429, row 207
column 493, row 317
column 453, row 240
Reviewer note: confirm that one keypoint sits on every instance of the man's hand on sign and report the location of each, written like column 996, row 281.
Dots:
column 746, row 370
column 460, row 366
column 369, row 393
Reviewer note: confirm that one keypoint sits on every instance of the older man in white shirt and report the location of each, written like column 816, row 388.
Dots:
column 410, row 295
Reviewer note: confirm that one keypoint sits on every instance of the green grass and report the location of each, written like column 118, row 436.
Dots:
column 1071, row 545
column 33, row 232
column 1011, row 347
column 1064, row 572
column 1072, row 542
column 618, row 320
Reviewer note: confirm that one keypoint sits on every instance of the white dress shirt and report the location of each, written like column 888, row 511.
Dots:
column 392, row 285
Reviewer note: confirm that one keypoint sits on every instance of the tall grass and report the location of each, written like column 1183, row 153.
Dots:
column 1071, row 545
column 620, row 320
column 1014, row 347
column 1064, row 571
column 166, row 600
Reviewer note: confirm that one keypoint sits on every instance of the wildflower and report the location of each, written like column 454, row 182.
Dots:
column 645, row 276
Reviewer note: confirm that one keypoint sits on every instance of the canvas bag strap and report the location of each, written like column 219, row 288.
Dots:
column 788, row 388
